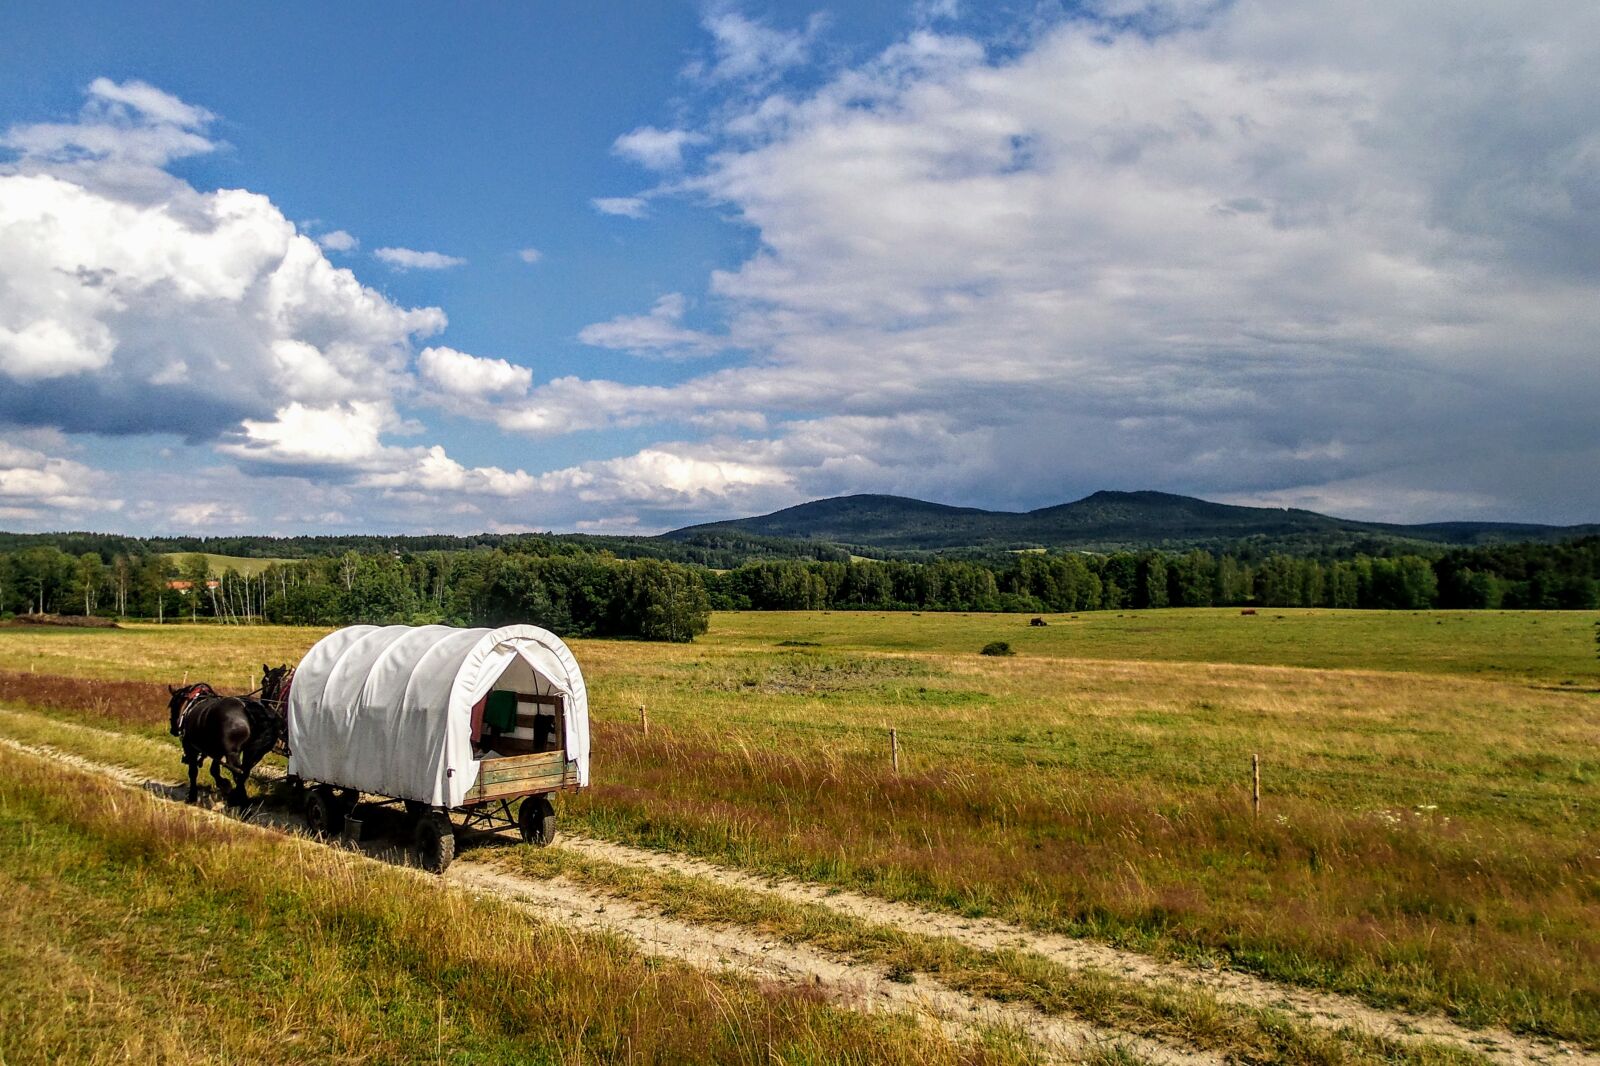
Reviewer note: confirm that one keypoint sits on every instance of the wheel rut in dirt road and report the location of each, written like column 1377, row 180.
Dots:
column 1228, row 986
column 855, row 986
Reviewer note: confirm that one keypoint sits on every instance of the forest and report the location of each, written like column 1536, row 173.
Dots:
column 1526, row 576
column 594, row 593
column 587, row 594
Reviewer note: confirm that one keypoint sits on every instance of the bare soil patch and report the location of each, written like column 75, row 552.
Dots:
column 70, row 621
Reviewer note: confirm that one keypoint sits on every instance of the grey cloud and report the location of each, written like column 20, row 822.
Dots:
column 1241, row 250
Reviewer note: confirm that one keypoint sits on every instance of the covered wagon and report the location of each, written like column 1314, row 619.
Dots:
column 444, row 720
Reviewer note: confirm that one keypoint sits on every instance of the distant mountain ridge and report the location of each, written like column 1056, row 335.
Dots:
column 1132, row 519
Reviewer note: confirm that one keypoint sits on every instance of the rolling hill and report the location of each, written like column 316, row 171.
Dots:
column 1102, row 520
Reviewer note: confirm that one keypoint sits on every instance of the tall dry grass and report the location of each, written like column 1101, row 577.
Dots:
column 1493, row 923
column 140, row 929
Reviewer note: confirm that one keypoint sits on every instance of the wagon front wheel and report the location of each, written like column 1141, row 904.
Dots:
column 537, row 820
column 324, row 812
column 435, row 839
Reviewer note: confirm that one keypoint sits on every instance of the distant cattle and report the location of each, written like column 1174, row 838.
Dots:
column 1248, row 610
column 1038, row 622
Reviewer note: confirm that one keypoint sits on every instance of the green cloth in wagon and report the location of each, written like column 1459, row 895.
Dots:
column 500, row 711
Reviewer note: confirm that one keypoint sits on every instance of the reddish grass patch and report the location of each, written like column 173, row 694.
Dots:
column 141, row 703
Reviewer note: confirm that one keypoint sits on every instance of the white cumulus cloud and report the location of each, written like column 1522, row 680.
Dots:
column 338, row 241
column 746, row 49
column 126, row 128
column 34, row 484
column 460, row 374
column 660, row 332
column 410, row 259
column 132, row 303
column 655, row 148
column 668, row 480
column 432, row 471
column 346, row 442
column 181, row 314
column 625, row 206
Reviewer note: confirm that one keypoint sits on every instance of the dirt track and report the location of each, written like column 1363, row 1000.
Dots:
column 1229, row 986
column 849, row 984
column 864, row 987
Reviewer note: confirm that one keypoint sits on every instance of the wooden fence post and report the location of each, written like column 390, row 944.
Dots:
column 1255, row 783
column 644, row 720
column 894, row 749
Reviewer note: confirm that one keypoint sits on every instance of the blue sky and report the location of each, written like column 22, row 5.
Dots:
column 626, row 267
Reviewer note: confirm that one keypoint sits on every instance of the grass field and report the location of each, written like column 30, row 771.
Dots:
column 1432, row 781
column 1551, row 646
column 139, row 931
column 221, row 564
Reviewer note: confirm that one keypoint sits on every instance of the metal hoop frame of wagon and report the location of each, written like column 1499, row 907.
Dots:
column 446, row 721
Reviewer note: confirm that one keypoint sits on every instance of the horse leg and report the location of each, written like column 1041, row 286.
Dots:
column 240, row 769
column 247, row 763
column 216, row 775
column 193, row 759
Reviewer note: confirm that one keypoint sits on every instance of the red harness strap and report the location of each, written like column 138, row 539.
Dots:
column 195, row 693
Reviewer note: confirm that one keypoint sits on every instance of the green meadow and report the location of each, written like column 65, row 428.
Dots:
column 217, row 565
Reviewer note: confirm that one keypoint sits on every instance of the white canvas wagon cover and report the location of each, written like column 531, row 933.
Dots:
column 388, row 709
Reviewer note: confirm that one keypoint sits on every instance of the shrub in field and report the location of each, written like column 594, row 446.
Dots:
column 997, row 647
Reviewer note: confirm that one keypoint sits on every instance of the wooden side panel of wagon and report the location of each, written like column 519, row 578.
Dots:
column 523, row 775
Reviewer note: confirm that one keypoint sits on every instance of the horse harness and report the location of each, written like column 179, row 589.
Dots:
column 279, row 705
column 196, row 693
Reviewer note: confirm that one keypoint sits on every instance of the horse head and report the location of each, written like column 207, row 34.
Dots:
column 275, row 684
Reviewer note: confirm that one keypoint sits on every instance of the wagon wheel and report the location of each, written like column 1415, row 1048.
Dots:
column 290, row 791
column 435, row 839
column 324, row 812
column 537, row 820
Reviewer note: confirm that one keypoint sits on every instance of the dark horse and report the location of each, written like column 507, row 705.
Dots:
column 235, row 731
column 275, row 684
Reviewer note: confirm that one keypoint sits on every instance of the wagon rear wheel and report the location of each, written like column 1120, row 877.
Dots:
column 324, row 812
column 537, row 820
column 435, row 839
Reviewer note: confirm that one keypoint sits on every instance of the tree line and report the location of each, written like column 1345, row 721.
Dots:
column 576, row 594
column 597, row 594
column 711, row 548
column 1525, row 576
